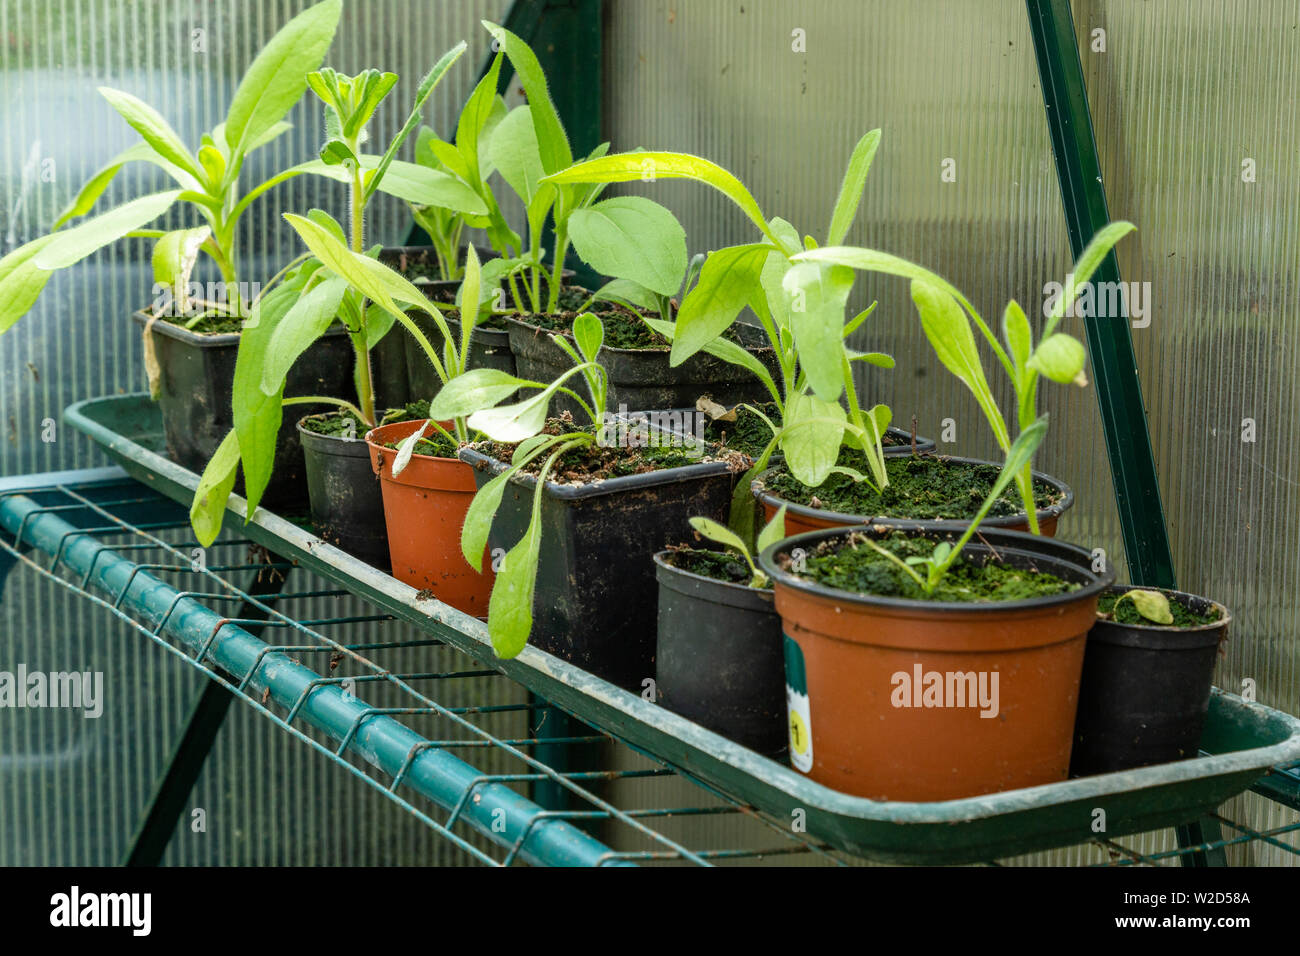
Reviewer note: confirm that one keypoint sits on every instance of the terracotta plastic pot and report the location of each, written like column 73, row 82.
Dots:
column 424, row 508
column 895, row 699
column 802, row 518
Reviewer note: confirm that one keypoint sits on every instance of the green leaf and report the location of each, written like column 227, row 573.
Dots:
column 512, row 423
column 475, row 390
column 650, row 166
column 813, row 431
column 478, row 519
column 338, row 153
column 589, row 334
column 473, row 117
column 73, row 245
column 855, row 178
column 155, row 130
column 215, row 485
column 949, row 332
column 719, row 533
column 1089, row 260
column 257, row 416
column 1015, row 329
column 552, row 143
column 510, row 608
column 878, row 359
column 721, row 348
column 302, row 325
column 21, row 281
column 819, row 295
column 773, row 531
column 726, row 283
column 629, row 293
column 277, row 77
column 422, row 93
column 174, row 256
column 410, row 182
column 631, row 237
column 1152, row 605
column 1061, row 358
column 325, row 220
column 379, row 322
column 94, row 188
column 515, row 154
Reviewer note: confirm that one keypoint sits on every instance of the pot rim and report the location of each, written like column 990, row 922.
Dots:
column 207, row 339
column 424, row 424
column 1019, row 542
column 1225, row 617
column 751, row 349
column 608, row 486
column 729, row 593
column 766, row 497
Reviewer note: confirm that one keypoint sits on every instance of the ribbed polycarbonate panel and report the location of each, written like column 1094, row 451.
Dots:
column 1195, row 116
column 72, row 789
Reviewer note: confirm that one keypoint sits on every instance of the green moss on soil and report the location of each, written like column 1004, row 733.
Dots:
column 1128, row 614
column 717, row 565
column 208, row 325
column 749, row 434
column 335, row 423
column 849, row 564
column 924, row 487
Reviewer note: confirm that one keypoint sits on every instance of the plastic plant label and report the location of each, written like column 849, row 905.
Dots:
column 798, row 714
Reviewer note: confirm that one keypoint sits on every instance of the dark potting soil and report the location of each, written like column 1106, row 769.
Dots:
column 435, row 443
column 922, row 487
column 588, row 463
column 208, row 325
column 712, row 564
column 1128, row 614
column 411, row 412
column 849, row 564
column 623, row 329
column 335, row 423
column 748, row 434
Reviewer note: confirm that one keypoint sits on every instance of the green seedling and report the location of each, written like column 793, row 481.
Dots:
column 207, row 180
column 800, row 306
column 772, row 532
column 947, row 315
column 1152, row 605
column 336, row 280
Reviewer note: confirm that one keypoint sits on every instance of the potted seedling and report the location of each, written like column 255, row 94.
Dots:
column 1146, row 680
column 192, row 330
column 931, row 664
column 573, row 512
column 633, row 240
column 329, row 284
column 719, row 653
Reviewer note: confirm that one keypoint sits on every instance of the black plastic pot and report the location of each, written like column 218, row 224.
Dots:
column 196, row 377
column 719, row 657
column 347, row 507
column 488, row 348
column 595, row 600
column 1145, row 690
column 642, row 378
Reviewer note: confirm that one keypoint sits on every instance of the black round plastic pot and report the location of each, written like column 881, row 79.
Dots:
column 1145, row 690
column 719, row 659
column 197, row 373
column 801, row 518
column 642, row 378
column 347, row 506
column 595, row 598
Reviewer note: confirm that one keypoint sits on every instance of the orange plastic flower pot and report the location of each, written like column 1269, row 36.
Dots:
column 424, row 508
column 895, row 699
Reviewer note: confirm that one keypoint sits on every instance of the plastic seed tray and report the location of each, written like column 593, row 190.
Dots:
column 1247, row 745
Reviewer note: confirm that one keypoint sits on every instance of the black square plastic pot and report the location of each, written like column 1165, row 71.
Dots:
column 596, row 593
column 719, row 659
column 197, row 374
column 347, row 507
column 642, row 378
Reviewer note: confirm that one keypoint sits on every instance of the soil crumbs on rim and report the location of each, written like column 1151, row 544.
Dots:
column 717, row 565
column 591, row 462
column 848, row 564
column 1184, row 617
column 921, row 487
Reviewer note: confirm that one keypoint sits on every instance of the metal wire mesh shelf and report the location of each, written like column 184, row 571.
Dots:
column 419, row 727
